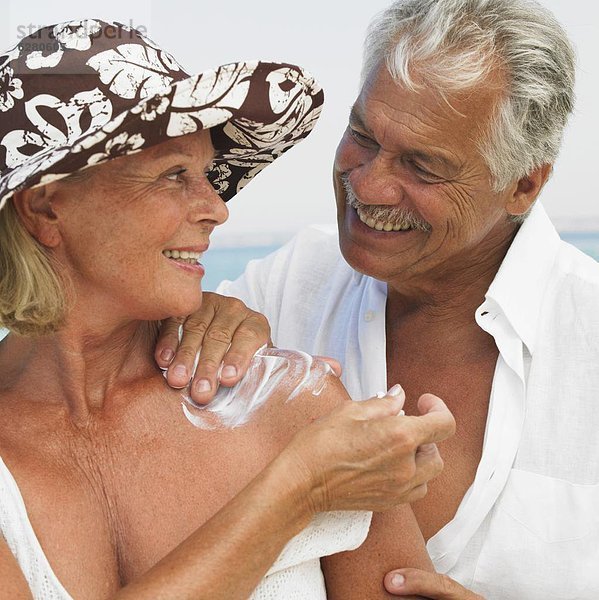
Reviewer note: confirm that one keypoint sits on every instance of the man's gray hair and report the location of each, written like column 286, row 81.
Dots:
column 454, row 45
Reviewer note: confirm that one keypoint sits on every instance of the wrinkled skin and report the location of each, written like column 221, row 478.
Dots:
column 415, row 153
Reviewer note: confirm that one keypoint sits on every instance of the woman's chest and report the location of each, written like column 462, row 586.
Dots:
column 165, row 496
column 104, row 518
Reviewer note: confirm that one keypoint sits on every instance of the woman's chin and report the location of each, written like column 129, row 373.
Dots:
column 180, row 308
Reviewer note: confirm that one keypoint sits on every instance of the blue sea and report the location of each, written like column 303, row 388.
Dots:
column 229, row 263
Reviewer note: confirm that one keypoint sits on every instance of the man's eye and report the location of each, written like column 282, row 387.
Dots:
column 420, row 170
column 361, row 139
column 425, row 174
column 175, row 176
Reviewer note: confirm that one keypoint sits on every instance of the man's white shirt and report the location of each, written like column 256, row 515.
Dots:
column 528, row 527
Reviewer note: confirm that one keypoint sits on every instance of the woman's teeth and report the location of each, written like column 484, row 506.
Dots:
column 190, row 258
column 380, row 225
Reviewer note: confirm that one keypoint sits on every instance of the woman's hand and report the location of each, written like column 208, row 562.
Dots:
column 363, row 456
column 229, row 334
column 424, row 584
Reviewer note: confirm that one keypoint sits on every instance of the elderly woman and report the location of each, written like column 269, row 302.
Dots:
column 112, row 485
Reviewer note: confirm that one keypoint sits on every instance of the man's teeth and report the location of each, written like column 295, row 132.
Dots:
column 183, row 255
column 380, row 225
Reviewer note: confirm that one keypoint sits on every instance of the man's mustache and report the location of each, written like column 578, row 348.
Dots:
column 396, row 215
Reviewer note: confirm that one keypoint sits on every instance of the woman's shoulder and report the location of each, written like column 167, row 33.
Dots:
column 283, row 391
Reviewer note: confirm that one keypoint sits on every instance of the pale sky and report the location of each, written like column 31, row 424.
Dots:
column 326, row 38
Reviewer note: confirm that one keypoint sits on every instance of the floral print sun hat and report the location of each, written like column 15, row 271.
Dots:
column 77, row 94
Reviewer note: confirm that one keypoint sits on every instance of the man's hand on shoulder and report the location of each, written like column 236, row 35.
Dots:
column 228, row 334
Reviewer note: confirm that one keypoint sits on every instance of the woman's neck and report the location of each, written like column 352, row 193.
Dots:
column 79, row 366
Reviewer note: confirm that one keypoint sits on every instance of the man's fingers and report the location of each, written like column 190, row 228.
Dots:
column 194, row 330
column 251, row 335
column 168, row 341
column 217, row 340
column 232, row 336
column 415, row 582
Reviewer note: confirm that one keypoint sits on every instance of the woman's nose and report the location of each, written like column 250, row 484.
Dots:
column 207, row 205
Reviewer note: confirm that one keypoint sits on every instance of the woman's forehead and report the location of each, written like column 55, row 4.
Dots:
column 193, row 145
column 196, row 147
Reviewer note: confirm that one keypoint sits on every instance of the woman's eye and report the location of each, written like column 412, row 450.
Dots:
column 175, row 175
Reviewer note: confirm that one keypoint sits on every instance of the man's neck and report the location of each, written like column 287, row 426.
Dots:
column 437, row 309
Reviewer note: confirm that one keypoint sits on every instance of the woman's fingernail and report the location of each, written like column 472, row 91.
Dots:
column 167, row 355
column 397, row 580
column 180, row 371
column 229, row 371
column 202, row 386
column 396, row 390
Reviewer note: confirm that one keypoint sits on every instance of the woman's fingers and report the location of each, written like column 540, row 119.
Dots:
column 365, row 455
column 435, row 423
column 435, row 586
column 334, row 364
column 388, row 404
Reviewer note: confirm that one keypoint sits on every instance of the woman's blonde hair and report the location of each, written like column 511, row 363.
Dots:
column 33, row 298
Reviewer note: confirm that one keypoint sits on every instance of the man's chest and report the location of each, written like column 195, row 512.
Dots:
column 466, row 391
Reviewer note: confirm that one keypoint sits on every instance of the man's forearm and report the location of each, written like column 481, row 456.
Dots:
column 394, row 539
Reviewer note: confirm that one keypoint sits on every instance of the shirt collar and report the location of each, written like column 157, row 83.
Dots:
column 522, row 278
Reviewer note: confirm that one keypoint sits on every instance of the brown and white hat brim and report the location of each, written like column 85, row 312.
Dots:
column 130, row 96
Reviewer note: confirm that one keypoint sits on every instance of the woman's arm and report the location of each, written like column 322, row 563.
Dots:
column 14, row 586
column 228, row 556
column 360, row 456
column 223, row 559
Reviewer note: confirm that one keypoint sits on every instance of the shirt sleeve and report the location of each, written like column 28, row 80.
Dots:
column 262, row 285
column 251, row 286
column 285, row 284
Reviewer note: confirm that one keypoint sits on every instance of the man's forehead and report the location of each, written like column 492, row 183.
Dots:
column 355, row 116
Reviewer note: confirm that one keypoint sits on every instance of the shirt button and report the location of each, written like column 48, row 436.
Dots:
column 369, row 316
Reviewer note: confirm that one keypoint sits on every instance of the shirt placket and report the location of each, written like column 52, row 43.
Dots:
column 502, row 437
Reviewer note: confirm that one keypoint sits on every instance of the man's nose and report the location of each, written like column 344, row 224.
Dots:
column 376, row 182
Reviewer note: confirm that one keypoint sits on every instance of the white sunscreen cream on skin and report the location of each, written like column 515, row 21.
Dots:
column 270, row 369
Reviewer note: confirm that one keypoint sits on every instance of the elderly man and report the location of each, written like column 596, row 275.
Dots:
column 452, row 279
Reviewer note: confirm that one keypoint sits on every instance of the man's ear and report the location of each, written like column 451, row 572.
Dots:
column 527, row 190
column 34, row 207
